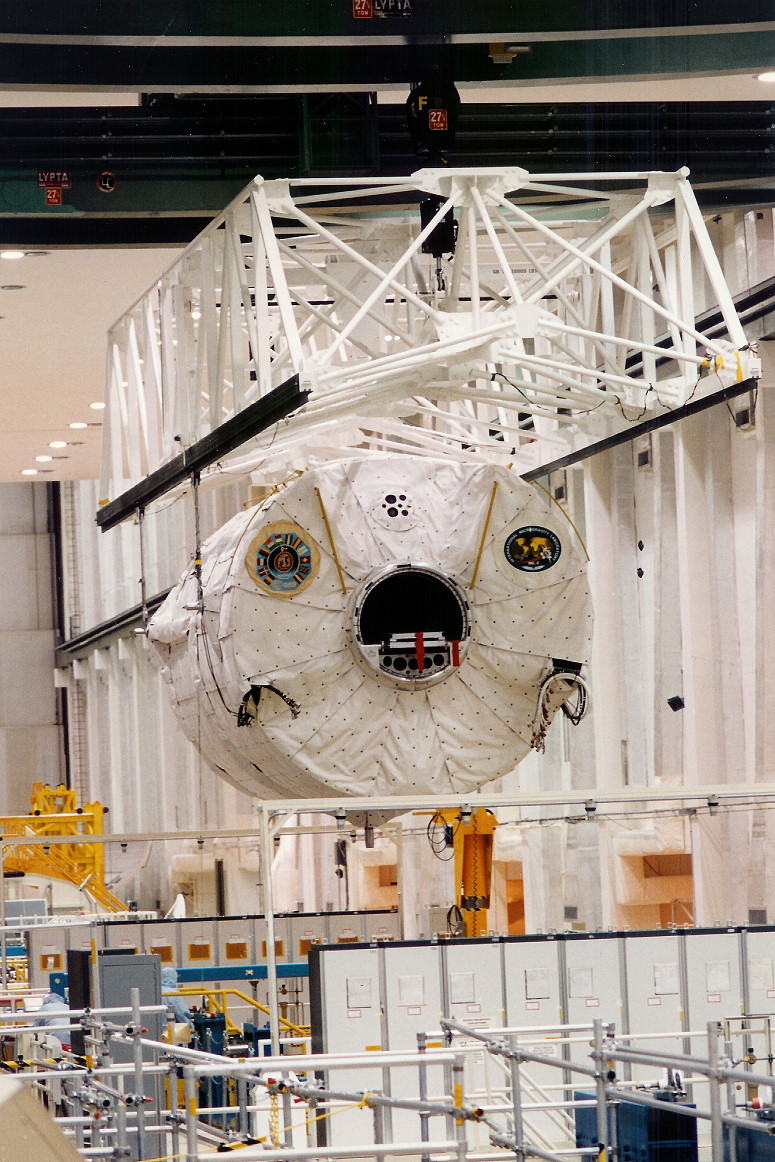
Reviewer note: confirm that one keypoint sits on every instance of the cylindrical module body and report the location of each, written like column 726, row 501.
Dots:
column 376, row 626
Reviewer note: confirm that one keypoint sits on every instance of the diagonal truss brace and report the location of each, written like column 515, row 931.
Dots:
column 565, row 316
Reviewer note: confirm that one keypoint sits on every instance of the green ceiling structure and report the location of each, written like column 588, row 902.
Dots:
column 229, row 90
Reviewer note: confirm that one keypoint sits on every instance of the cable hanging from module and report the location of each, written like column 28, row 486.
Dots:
column 562, row 689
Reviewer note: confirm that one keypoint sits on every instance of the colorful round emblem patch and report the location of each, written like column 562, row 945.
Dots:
column 282, row 559
column 532, row 549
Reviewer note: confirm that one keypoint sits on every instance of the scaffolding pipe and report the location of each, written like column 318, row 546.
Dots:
column 372, row 1100
column 516, row 1098
column 210, row 1063
column 640, row 1098
column 259, row 1153
column 137, row 1053
column 192, row 1143
column 716, row 1125
column 422, row 1088
column 271, row 948
column 530, row 1151
column 450, row 1024
column 695, row 1064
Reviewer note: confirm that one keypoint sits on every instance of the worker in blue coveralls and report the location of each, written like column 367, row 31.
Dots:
column 169, row 984
column 52, row 1011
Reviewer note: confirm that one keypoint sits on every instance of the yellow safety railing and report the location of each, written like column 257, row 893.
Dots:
column 217, row 1002
column 17, row 970
column 56, row 813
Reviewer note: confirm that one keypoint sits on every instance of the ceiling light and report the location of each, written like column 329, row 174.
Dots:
column 768, row 78
column 12, row 286
column 77, row 424
column 97, row 406
column 11, row 254
column 29, row 472
column 43, row 459
column 58, row 444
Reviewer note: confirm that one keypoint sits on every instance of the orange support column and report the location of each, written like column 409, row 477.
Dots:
column 473, row 866
column 470, row 834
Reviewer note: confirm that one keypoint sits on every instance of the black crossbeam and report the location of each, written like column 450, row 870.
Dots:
column 642, row 429
column 274, row 406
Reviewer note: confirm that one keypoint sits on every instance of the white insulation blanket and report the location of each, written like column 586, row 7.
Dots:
column 277, row 614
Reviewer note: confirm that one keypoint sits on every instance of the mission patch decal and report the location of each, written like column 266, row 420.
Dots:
column 532, row 549
column 282, row 559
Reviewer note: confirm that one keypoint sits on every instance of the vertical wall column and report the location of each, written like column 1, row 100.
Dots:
column 544, row 875
column 607, row 637
column 703, row 733
column 30, row 737
column 607, row 670
column 763, row 821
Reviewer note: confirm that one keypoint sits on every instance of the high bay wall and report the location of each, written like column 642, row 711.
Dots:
column 678, row 527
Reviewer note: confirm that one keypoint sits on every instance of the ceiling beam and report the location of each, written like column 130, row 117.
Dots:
column 255, row 20
column 322, row 67
column 258, row 46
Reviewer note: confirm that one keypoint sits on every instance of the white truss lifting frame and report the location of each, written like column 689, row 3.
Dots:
column 566, row 314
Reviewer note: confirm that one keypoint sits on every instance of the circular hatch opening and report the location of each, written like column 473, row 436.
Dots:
column 411, row 624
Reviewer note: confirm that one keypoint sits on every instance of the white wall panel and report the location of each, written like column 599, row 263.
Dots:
column 533, row 994
column 759, row 962
column 759, row 946
column 47, row 953
column 592, row 985
column 305, row 931
column 413, row 1001
column 654, row 992
column 534, row 998
column 473, row 995
column 413, row 996
column 26, row 579
column 381, row 926
column 163, row 938
column 715, row 987
column 655, row 983
column 126, row 938
column 351, row 1023
column 27, row 679
column 80, row 937
column 345, row 928
column 234, row 942
column 352, row 1003
column 48, row 949
column 473, row 984
column 198, row 943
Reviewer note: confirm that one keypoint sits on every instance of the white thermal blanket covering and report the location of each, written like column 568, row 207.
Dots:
column 358, row 732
